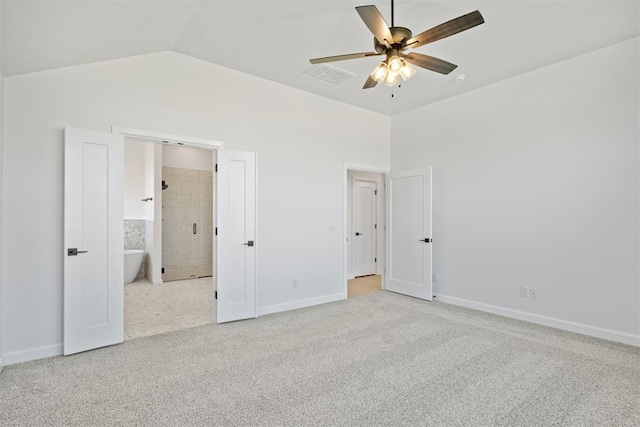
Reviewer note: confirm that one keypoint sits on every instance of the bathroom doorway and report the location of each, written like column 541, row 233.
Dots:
column 169, row 205
column 364, row 228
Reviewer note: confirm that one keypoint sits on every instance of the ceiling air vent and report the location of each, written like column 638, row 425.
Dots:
column 327, row 74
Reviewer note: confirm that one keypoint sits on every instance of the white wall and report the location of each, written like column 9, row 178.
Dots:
column 187, row 158
column 1, row 200
column 152, row 179
column 378, row 178
column 301, row 140
column 134, row 179
column 535, row 183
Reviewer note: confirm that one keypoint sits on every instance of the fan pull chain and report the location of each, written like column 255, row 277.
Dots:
column 393, row 89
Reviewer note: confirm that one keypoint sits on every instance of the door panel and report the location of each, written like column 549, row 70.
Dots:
column 93, row 222
column 364, row 233
column 408, row 263
column 236, row 256
column 96, row 219
column 408, row 219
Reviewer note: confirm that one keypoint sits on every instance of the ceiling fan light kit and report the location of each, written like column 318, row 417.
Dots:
column 389, row 72
column 394, row 41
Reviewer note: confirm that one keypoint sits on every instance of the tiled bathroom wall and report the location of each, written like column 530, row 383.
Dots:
column 134, row 230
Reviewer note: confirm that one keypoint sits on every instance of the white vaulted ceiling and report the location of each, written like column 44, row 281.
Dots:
column 275, row 39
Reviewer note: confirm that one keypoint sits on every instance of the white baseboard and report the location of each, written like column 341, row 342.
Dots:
column 300, row 304
column 565, row 325
column 32, row 354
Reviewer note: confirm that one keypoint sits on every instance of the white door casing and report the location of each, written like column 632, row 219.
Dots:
column 365, row 211
column 93, row 222
column 408, row 213
column 236, row 240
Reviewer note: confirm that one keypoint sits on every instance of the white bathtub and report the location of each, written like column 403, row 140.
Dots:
column 132, row 262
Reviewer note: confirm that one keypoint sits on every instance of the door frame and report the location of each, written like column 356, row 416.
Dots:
column 192, row 142
column 346, row 167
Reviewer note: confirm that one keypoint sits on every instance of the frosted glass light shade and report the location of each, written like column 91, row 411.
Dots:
column 406, row 71
column 380, row 72
column 392, row 78
column 395, row 63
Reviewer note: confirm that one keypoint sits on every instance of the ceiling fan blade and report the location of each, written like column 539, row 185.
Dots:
column 376, row 23
column 430, row 63
column 343, row 57
column 447, row 29
column 369, row 83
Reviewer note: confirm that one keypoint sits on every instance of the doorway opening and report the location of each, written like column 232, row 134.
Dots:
column 364, row 231
column 169, row 197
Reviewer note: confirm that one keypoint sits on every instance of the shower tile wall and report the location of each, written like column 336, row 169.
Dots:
column 188, row 200
column 134, row 238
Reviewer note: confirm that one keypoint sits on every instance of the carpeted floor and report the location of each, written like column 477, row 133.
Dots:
column 379, row 359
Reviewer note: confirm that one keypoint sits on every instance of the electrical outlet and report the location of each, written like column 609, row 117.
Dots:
column 533, row 293
column 436, row 277
column 294, row 283
column 524, row 291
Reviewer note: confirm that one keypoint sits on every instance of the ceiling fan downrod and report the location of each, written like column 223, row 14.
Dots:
column 392, row 17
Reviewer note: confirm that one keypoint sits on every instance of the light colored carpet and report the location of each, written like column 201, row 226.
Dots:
column 363, row 286
column 171, row 306
column 380, row 359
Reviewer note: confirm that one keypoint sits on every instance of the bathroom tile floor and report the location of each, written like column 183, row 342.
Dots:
column 155, row 309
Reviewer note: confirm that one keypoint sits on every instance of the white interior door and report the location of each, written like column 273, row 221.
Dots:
column 93, row 240
column 236, row 225
column 409, row 251
column 365, row 208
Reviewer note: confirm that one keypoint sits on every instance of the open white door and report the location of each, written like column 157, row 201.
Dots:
column 365, row 209
column 93, row 240
column 236, row 227
column 408, row 260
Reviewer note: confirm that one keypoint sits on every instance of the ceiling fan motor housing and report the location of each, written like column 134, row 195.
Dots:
column 400, row 36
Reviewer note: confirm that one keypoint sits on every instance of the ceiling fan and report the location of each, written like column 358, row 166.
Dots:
column 394, row 41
